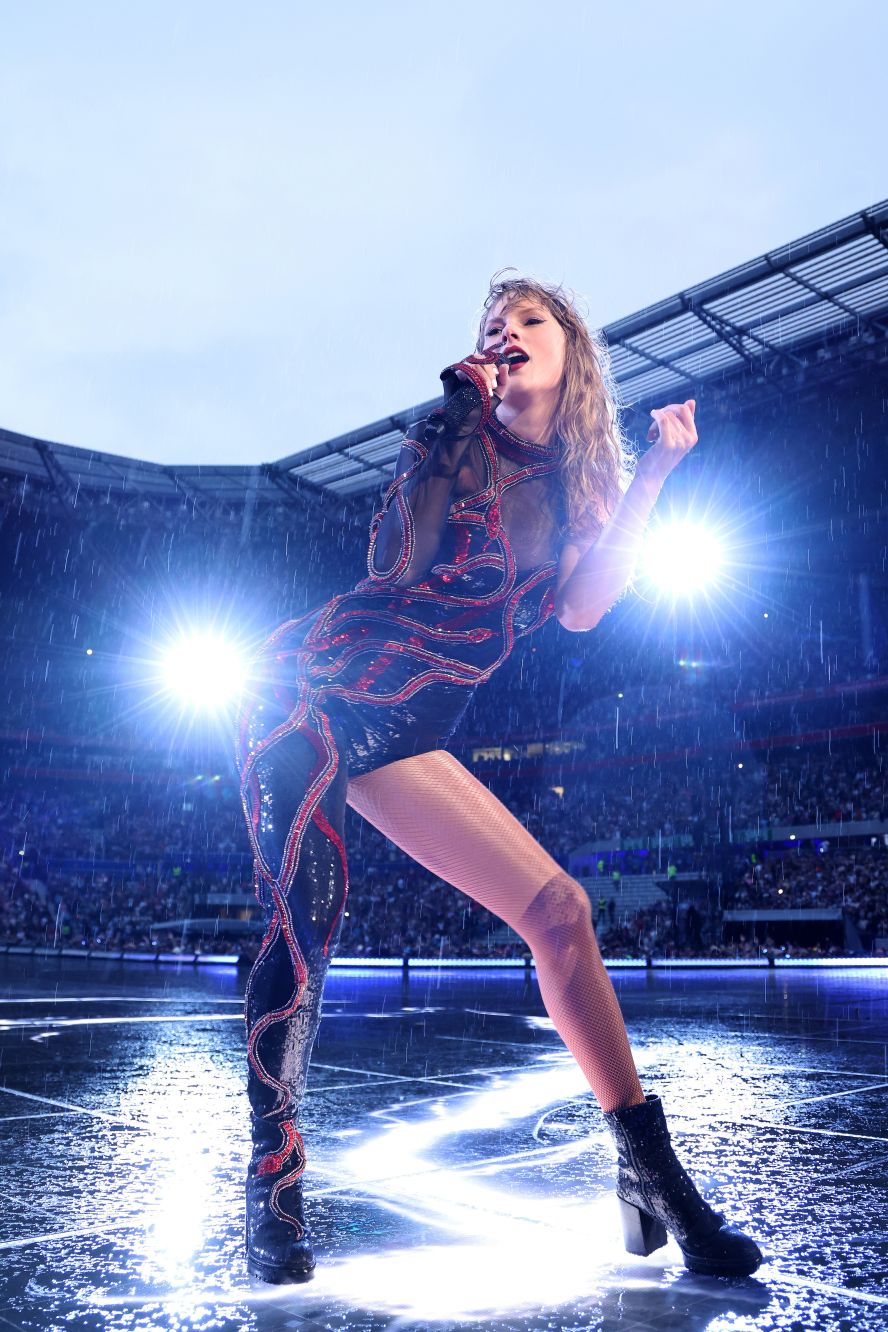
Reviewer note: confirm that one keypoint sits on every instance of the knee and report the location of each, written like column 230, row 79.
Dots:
column 561, row 910
column 567, row 903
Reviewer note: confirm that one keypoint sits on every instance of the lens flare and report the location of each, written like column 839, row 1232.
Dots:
column 681, row 558
column 204, row 671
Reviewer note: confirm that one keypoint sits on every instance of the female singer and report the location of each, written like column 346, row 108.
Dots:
column 511, row 502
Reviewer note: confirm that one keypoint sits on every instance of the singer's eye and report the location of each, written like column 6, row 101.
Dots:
column 532, row 319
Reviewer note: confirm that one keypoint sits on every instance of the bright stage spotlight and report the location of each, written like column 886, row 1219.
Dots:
column 204, row 670
column 681, row 558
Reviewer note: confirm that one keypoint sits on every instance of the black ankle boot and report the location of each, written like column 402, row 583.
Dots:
column 278, row 1241
column 656, row 1194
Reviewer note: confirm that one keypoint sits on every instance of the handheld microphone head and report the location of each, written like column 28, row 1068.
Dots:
column 464, row 398
column 508, row 355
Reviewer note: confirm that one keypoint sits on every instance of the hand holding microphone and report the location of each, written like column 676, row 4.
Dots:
column 495, row 371
column 473, row 388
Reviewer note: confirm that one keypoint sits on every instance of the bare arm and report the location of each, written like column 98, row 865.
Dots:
column 603, row 572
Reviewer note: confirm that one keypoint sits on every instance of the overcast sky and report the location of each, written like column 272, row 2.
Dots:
column 231, row 231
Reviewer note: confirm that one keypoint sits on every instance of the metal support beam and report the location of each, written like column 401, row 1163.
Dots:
column 733, row 335
column 659, row 361
column 298, row 488
column 58, row 477
column 879, row 230
column 875, row 327
column 196, row 500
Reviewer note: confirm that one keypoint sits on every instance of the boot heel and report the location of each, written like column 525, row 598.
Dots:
column 642, row 1233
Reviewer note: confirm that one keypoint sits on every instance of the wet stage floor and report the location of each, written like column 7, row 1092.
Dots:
column 459, row 1171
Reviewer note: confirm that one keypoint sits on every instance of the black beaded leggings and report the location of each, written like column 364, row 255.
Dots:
column 294, row 786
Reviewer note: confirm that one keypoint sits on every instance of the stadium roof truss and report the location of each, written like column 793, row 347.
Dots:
column 808, row 312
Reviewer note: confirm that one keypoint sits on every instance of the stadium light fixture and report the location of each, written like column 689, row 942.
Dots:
column 681, row 558
column 204, row 670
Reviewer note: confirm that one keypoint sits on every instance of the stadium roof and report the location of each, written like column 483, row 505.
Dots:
column 805, row 314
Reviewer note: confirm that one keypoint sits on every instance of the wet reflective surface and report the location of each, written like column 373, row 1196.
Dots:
column 459, row 1171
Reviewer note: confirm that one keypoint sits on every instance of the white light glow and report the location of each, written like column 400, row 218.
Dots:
column 204, row 670
column 681, row 558
column 505, row 1190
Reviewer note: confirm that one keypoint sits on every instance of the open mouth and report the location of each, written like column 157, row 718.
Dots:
column 513, row 359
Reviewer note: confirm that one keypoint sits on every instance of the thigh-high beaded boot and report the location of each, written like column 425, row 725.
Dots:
column 283, row 1013
column 294, row 794
column 278, row 1240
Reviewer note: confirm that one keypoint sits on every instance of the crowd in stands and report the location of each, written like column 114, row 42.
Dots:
column 854, row 879
column 679, row 760
column 827, row 788
column 142, row 868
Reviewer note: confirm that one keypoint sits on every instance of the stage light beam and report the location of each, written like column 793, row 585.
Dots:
column 681, row 558
column 204, row 670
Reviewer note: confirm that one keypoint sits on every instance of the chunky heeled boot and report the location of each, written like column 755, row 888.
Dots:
column 278, row 1241
column 656, row 1194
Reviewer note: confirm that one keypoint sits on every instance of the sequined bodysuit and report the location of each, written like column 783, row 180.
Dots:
column 394, row 662
column 458, row 569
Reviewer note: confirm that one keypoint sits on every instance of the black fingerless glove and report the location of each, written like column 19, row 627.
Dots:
column 468, row 404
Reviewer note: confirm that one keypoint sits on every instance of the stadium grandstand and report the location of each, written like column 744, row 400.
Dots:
column 709, row 766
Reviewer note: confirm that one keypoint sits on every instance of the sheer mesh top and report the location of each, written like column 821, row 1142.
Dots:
column 506, row 485
column 459, row 566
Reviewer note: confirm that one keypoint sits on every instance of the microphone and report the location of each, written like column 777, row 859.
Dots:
column 461, row 402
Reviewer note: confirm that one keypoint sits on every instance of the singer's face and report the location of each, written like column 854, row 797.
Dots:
column 529, row 326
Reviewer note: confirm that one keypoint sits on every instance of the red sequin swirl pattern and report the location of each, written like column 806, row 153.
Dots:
column 372, row 676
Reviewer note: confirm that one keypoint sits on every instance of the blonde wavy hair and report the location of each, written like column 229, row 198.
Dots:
column 596, row 460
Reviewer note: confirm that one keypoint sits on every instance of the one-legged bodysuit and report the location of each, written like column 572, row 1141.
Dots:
column 456, row 573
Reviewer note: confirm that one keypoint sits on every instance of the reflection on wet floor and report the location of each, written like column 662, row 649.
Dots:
column 460, row 1174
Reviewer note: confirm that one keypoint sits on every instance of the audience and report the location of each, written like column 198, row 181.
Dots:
column 164, row 864
column 108, row 841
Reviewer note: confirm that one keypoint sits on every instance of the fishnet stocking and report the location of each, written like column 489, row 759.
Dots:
column 444, row 818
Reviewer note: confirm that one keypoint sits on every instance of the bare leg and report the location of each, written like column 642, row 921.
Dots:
column 443, row 817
